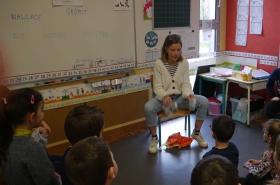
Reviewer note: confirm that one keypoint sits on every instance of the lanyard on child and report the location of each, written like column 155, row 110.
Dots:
column 22, row 132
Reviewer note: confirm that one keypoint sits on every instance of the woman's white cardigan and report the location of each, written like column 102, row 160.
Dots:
column 164, row 84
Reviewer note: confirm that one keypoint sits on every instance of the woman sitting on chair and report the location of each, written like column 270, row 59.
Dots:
column 172, row 83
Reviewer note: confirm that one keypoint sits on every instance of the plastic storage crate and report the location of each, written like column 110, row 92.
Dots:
column 214, row 106
column 255, row 104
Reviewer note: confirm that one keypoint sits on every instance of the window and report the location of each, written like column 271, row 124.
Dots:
column 209, row 10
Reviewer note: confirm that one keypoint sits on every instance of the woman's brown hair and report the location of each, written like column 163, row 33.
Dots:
column 169, row 40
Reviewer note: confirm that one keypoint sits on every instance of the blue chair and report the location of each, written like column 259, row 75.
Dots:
column 181, row 112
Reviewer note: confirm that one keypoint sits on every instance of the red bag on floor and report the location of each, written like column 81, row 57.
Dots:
column 176, row 140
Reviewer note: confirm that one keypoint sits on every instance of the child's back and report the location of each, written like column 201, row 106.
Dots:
column 222, row 131
column 231, row 153
column 24, row 161
column 81, row 122
column 25, row 157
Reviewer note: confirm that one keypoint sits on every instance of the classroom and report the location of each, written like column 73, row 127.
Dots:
column 102, row 53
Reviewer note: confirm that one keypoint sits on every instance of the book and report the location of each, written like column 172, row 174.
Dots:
column 260, row 74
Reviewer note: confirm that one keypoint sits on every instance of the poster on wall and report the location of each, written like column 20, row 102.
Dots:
column 147, row 9
column 81, row 93
column 207, row 30
column 187, row 37
column 122, row 5
column 151, row 39
column 256, row 16
column 242, row 22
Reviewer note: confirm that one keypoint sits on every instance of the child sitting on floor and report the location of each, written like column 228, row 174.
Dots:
column 93, row 157
column 263, row 170
column 81, row 122
column 214, row 169
column 222, row 131
column 24, row 160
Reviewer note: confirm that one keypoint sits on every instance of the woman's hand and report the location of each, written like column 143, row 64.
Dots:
column 167, row 101
column 190, row 96
column 275, row 99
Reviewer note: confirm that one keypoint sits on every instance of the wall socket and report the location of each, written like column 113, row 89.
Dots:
column 268, row 62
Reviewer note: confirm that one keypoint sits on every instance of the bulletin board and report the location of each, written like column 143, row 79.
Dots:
column 39, row 40
column 171, row 13
column 189, row 35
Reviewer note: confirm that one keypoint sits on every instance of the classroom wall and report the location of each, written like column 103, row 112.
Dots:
column 267, row 43
column 123, row 114
column 86, row 40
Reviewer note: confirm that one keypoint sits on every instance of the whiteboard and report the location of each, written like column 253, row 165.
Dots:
column 39, row 38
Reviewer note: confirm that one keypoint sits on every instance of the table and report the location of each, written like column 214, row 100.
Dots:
column 225, row 81
column 211, row 78
column 250, row 85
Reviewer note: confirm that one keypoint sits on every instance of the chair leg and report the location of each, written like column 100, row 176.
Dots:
column 185, row 122
column 159, row 131
column 189, row 125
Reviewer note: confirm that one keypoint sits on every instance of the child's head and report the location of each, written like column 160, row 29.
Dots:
column 83, row 121
column 276, row 158
column 271, row 130
column 90, row 161
column 222, row 128
column 21, row 108
column 214, row 169
column 276, row 155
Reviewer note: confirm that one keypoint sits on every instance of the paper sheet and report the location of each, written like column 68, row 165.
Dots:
column 122, row 5
column 256, row 16
column 187, row 37
column 155, row 55
column 207, row 30
column 149, row 56
column 247, row 70
column 260, row 74
column 242, row 22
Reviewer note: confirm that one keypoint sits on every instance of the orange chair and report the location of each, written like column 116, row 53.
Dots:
column 180, row 113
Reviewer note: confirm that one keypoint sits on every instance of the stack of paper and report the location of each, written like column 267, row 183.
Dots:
column 260, row 74
column 221, row 71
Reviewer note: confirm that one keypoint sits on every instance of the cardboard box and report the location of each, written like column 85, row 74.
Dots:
column 242, row 76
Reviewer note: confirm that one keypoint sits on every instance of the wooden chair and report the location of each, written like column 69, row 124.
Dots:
column 180, row 113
